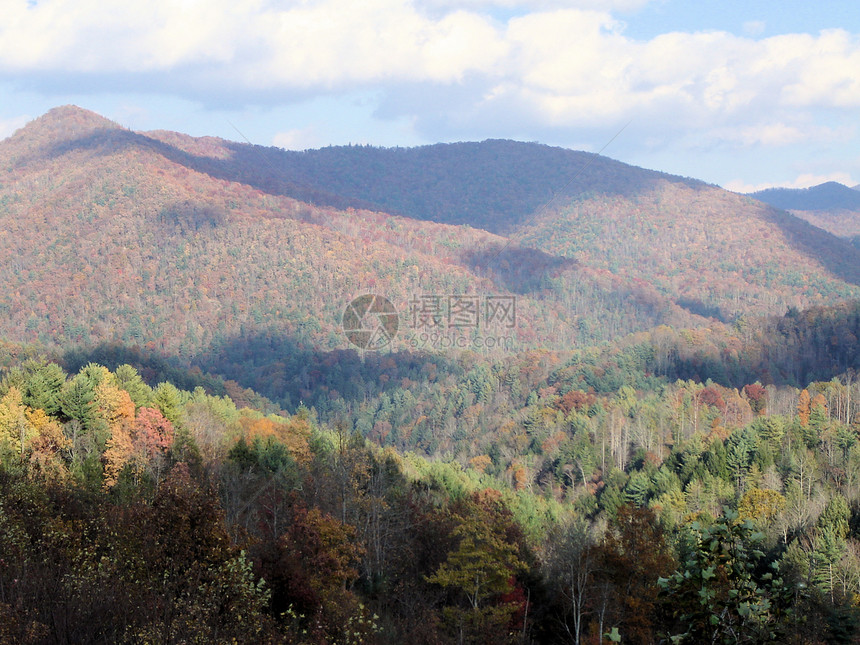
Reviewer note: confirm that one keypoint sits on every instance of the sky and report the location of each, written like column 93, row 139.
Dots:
column 744, row 94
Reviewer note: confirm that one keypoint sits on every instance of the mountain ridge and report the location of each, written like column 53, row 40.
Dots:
column 121, row 236
column 191, row 241
column 830, row 195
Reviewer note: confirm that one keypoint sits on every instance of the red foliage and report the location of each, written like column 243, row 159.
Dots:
column 757, row 396
column 152, row 434
column 713, row 397
column 576, row 400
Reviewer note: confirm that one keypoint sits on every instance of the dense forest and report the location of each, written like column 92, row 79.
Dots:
column 830, row 206
column 185, row 246
column 238, row 504
column 568, row 497
column 192, row 452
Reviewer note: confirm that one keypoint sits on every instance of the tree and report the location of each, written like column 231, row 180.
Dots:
column 480, row 569
column 86, row 430
column 632, row 558
column 42, row 388
column 200, row 583
column 48, row 447
column 15, row 429
column 740, row 450
column 128, row 379
column 725, row 591
column 803, row 408
column 152, row 435
column 757, row 396
column 168, row 400
column 309, row 569
column 760, row 506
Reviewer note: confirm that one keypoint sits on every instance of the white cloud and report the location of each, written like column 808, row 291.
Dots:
column 754, row 27
column 9, row 126
column 297, row 139
column 539, row 5
column 777, row 134
column 554, row 64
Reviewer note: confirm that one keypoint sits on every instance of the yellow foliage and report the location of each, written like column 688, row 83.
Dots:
column 293, row 433
column 760, row 506
column 15, row 430
column 50, row 434
column 118, row 453
column 114, row 405
column 47, row 445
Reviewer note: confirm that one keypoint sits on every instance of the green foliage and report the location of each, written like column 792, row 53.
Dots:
column 725, row 590
column 77, row 401
column 127, row 378
column 168, row 399
column 43, row 385
column 117, row 525
column 480, row 569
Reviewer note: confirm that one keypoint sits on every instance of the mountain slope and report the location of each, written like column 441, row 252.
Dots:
column 494, row 185
column 710, row 249
column 830, row 195
column 112, row 235
column 830, row 206
column 190, row 245
column 738, row 258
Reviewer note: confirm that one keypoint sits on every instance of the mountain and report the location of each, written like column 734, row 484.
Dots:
column 830, row 195
column 164, row 274
column 206, row 250
column 618, row 219
column 493, row 185
column 184, row 245
column 721, row 254
column 830, row 206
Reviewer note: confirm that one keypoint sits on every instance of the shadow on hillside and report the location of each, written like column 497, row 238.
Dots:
column 837, row 255
column 269, row 170
column 516, row 269
column 291, row 374
column 280, row 369
column 494, row 185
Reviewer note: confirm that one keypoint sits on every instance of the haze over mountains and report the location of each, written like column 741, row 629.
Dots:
column 185, row 244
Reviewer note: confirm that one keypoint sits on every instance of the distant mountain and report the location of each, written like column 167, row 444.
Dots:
column 828, row 196
column 718, row 253
column 201, row 246
column 494, row 185
column 187, row 246
column 830, row 206
column 509, row 187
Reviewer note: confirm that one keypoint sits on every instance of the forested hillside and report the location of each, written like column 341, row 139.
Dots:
column 190, row 246
column 603, row 479
column 663, row 447
column 823, row 197
column 134, row 245
column 830, row 206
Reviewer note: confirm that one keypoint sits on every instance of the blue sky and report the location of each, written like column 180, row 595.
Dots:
column 741, row 94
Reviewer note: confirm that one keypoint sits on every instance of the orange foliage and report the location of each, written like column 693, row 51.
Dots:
column 576, row 400
column 292, row 433
column 803, row 408
column 480, row 463
column 47, row 446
